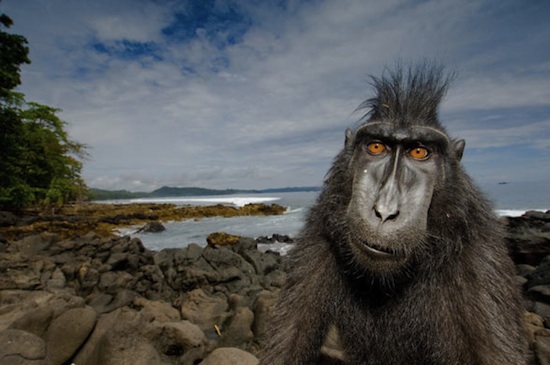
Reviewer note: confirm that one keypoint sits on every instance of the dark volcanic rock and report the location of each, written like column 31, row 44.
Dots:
column 222, row 239
column 91, row 300
column 20, row 347
column 229, row 356
column 275, row 238
column 68, row 332
column 152, row 227
column 528, row 237
column 7, row 219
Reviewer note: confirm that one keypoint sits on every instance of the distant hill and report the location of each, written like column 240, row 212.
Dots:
column 166, row 191
column 100, row 194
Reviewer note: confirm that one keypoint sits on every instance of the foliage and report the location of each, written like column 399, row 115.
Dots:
column 39, row 163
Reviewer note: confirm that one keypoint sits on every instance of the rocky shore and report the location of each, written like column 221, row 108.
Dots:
column 91, row 299
column 102, row 218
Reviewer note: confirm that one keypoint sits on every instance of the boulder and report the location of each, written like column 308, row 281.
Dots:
column 7, row 219
column 20, row 276
column 91, row 351
column 57, row 280
column 245, row 244
column 156, row 310
column 152, row 227
column 152, row 335
column 230, row 356
column 68, row 332
column 88, row 276
column 181, row 341
column 528, row 237
column 20, row 347
column 32, row 311
column 105, row 303
column 204, row 310
column 541, row 274
column 282, row 238
column 263, row 263
column 112, row 282
column 222, row 239
column 542, row 350
column 237, row 330
column 32, row 245
column 540, row 293
column 35, row 320
column 263, row 311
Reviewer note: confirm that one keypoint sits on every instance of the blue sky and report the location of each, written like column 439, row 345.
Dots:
column 257, row 94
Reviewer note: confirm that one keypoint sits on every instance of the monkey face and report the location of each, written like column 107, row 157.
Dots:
column 396, row 170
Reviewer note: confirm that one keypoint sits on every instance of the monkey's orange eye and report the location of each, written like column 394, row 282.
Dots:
column 419, row 153
column 376, row 148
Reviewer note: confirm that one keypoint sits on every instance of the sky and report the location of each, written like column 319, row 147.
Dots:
column 258, row 94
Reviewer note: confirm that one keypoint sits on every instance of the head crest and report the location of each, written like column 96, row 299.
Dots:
column 408, row 96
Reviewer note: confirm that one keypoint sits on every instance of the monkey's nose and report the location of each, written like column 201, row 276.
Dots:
column 385, row 213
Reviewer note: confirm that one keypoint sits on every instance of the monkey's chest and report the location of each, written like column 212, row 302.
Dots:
column 406, row 332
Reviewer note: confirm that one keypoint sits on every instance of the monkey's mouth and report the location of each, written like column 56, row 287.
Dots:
column 378, row 250
column 381, row 252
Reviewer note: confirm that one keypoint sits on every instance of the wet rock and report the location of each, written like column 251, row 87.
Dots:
column 222, row 239
column 281, row 238
column 245, row 244
column 152, row 227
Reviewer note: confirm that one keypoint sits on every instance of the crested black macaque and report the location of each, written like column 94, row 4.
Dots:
column 401, row 252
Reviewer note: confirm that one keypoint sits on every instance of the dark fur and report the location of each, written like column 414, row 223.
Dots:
column 454, row 303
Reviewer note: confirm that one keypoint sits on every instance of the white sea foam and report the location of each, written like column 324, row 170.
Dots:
column 279, row 247
column 238, row 201
column 514, row 212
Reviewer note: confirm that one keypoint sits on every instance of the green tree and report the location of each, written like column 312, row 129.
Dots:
column 13, row 53
column 39, row 162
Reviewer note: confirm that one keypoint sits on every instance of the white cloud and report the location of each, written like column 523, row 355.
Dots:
column 272, row 109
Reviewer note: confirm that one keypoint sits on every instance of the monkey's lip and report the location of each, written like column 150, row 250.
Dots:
column 381, row 252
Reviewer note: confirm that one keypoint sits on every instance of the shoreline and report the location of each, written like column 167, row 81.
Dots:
column 105, row 218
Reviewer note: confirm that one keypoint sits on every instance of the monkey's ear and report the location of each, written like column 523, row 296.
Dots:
column 458, row 147
column 349, row 137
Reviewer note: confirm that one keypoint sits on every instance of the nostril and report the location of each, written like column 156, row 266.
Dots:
column 392, row 216
column 383, row 215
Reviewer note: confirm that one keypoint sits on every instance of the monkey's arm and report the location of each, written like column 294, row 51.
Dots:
column 486, row 306
column 505, row 340
column 305, row 308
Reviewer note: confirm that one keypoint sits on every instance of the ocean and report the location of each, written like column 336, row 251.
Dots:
column 511, row 199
